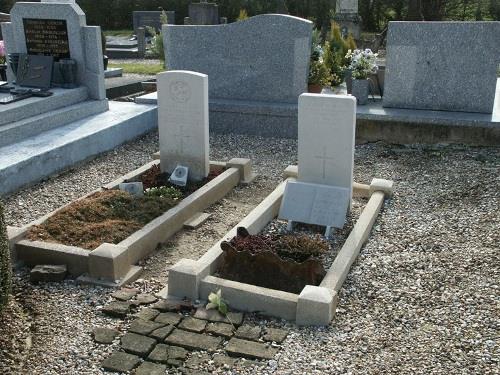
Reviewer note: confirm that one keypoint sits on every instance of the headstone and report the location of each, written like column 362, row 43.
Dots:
column 183, row 122
column 4, row 17
column 326, row 135
column 151, row 18
column 444, row 66
column 133, row 188
column 203, row 13
column 315, row 204
column 58, row 29
column 270, row 66
column 346, row 15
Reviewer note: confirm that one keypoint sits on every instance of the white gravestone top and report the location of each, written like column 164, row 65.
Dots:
column 315, row 204
column 183, row 122
column 327, row 125
column 347, row 6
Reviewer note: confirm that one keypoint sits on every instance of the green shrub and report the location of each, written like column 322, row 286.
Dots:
column 5, row 266
column 336, row 49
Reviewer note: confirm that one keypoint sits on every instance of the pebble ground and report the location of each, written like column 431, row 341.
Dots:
column 422, row 297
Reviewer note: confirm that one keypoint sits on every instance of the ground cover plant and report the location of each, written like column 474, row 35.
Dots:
column 112, row 215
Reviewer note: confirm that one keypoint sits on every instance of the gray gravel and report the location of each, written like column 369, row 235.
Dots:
column 421, row 299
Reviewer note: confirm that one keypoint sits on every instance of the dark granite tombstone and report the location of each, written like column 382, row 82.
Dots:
column 35, row 71
column 204, row 14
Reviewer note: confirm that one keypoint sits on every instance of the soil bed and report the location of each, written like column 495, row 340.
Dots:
column 110, row 216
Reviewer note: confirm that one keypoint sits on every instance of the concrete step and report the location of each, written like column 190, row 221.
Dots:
column 122, row 45
column 40, row 156
column 29, row 127
column 122, row 53
column 34, row 106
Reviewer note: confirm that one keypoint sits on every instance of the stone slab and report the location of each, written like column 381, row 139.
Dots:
column 159, row 354
column 113, row 72
column 57, row 149
column 277, row 335
column 444, row 66
column 197, row 220
column 315, row 204
column 137, row 344
column 215, row 316
column 118, row 309
column 220, row 329
column 144, row 327
column 168, row 318
column 145, row 299
column 326, row 138
column 271, row 66
column 148, row 368
column 183, row 122
column 193, row 324
column 124, row 294
column 48, row 273
column 121, row 362
column 161, row 333
column 250, row 349
column 193, row 341
column 248, row 332
column 103, row 335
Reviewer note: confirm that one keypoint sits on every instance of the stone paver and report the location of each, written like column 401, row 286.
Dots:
column 176, row 352
column 144, row 327
column 147, row 314
column 138, row 344
column 215, row 316
column 168, row 318
column 248, row 332
column 173, row 305
column 117, row 309
column 172, row 355
column 124, row 294
column 250, row 349
column 220, row 329
column 160, row 333
column 148, row 368
column 275, row 334
column 48, row 273
column 145, row 299
column 104, row 335
column 121, row 362
column 193, row 341
column 159, row 354
column 193, row 324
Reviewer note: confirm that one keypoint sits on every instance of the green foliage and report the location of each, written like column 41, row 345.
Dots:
column 216, row 302
column 157, row 49
column 243, row 15
column 164, row 192
column 319, row 74
column 336, row 49
column 5, row 266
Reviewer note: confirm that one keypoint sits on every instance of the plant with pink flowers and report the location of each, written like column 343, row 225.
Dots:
column 2, row 52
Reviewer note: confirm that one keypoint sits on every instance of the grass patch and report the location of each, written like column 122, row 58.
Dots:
column 106, row 216
column 123, row 32
column 146, row 69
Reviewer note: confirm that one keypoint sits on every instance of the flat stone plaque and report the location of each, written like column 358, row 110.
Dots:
column 315, row 204
column 47, row 37
column 35, row 71
column 133, row 188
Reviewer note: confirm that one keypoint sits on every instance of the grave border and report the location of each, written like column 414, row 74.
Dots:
column 113, row 265
column 315, row 305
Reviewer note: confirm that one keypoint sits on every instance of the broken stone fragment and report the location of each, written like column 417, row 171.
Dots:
column 48, row 273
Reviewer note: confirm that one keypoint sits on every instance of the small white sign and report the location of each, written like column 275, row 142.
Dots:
column 315, row 204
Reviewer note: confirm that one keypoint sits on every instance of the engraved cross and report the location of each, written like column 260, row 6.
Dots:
column 324, row 159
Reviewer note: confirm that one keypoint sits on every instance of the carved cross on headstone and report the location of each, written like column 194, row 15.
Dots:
column 324, row 158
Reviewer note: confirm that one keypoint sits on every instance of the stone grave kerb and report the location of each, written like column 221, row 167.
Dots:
column 84, row 41
column 183, row 122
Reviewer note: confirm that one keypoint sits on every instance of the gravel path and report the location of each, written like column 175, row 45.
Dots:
column 422, row 297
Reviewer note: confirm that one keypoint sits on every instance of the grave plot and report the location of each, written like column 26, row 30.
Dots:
column 282, row 276
column 101, row 236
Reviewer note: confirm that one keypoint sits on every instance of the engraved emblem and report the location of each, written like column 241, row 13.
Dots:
column 180, row 91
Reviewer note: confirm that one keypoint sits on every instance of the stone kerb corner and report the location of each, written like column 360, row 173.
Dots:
column 315, row 305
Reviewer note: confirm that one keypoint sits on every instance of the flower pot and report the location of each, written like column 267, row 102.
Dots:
column 360, row 89
column 314, row 88
column 348, row 80
column 3, row 72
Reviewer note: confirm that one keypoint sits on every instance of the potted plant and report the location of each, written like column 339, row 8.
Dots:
column 363, row 63
column 3, row 65
column 319, row 76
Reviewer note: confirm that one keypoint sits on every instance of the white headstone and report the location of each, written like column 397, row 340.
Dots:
column 315, row 204
column 183, row 122
column 326, row 137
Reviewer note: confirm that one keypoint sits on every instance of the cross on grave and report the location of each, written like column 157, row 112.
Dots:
column 324, row 158
column 180, row 137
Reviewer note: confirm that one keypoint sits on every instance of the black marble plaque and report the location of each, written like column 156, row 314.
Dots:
column 34, row 71
column 46, row 37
